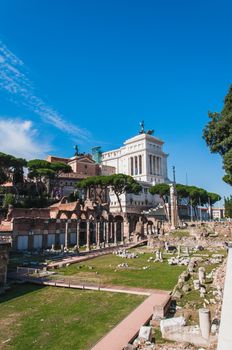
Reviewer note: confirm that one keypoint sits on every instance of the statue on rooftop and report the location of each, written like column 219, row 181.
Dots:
column 76, row 151
column 142, row 131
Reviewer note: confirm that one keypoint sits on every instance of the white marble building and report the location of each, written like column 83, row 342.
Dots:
column 142, row 157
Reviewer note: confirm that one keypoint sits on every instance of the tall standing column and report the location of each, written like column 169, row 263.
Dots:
column 111, row 231
column 107, row 232
column 122, row 232
column 98, row 234
column 88, row 235
column 174, row 207
column 78, row 234
column 115, row 232
column 66, row 235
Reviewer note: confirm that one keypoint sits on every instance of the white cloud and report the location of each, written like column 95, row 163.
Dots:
column 14, row 81
column 19, row 139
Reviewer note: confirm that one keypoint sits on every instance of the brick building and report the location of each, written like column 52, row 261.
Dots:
column 82, row 166
column 70, row 224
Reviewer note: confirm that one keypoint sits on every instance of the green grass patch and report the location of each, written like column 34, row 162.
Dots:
column 105, row 270
column 180, row 233
column 35, row 317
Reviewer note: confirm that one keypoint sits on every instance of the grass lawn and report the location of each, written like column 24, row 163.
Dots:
column 180, row 233
column 105, row 270
column 34, row 317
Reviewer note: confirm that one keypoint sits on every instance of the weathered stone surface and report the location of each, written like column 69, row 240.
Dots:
column 4, row 259
column 130, row 347
column 172, row 324
column 145, row 333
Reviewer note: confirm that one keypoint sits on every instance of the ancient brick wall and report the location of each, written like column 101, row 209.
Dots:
column 4, row 258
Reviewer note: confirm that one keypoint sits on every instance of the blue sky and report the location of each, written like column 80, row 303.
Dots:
column 87, row 72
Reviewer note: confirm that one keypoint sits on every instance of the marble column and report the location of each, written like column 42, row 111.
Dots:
column 122, row 232
column 98, row 234
column 115, row 232
column 154, row 170
column 146, row 229
column 78, row 234
column 111, row 231
column 87, row 235
column 66, row 235
column 174, row 207
column 107, row 224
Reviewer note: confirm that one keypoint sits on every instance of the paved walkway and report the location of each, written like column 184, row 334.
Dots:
column 65, row 283
column 127, row 330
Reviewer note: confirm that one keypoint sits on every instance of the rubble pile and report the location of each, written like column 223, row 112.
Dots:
column 123, row 253
column 123, row 265
column 175, row 260
column 144, row 340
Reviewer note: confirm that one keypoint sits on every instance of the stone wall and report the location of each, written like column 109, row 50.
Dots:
column 4, row 258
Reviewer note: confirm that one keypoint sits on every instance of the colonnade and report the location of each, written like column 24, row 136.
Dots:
column 155, row 165
column 136, row 165
column 103, row 232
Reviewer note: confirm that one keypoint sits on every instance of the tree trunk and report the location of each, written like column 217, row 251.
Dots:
column 119, row 201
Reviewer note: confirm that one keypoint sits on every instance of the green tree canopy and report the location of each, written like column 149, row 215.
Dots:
column 214, row 197
column 41, row 170
column 9, row 199
column 218, row 135
column 163, row 191
column 228, row 207
column 119, row 183
column 197, row 195
column 11, row 168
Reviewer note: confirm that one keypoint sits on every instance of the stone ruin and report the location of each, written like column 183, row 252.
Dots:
column 123, row 253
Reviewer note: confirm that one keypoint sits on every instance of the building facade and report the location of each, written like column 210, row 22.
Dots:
column 83, row 166
column 63, row 224
column 143, row 158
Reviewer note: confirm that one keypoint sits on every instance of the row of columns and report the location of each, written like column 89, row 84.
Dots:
column 150, row 229
column 136, row 165
column 155, row 165
column 109, row 230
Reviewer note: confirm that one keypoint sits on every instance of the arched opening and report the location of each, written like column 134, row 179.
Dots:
column 64, row 216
